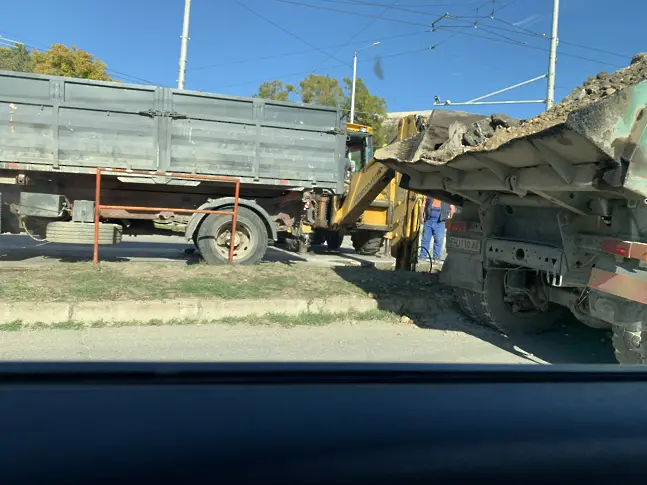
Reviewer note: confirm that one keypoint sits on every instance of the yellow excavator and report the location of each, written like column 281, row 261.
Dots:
column 374, row 209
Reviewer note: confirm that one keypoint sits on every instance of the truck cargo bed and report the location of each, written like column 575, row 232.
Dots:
column 50, row 123
column 600, row 147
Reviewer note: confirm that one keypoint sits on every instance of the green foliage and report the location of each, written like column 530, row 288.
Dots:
column 16, row 58
column 324, row 90
column 60, row 60
column 275, row 90
column 370, row 110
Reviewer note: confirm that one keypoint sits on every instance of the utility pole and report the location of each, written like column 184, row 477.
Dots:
column 352, row 92
column 552, row 58
column 184, row 44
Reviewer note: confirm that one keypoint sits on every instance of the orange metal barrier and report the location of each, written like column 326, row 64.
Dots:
column 98, row 206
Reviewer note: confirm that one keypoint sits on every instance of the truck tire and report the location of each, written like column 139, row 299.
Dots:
column 367, row 243
column 490, row 308
column 214, row 236
column 318, row 237
column 626, row 345
column 334, row 240
column 82, row 233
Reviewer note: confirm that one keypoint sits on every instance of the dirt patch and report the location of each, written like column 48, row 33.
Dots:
column 492, row 132
column 143, row 281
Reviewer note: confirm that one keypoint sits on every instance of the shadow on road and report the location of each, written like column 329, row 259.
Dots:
column 22, row 248
column 569, row 343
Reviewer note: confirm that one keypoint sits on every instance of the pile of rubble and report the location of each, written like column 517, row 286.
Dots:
column 492, row 132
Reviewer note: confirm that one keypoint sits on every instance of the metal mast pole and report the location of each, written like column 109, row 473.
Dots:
column 552, row 58
column 352, row 93
column 184, row 44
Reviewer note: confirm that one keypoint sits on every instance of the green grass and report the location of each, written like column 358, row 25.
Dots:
column 72, row 282
column 277, row 319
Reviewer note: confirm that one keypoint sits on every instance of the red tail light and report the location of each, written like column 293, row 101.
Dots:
column 457, row 226
column 614, row 246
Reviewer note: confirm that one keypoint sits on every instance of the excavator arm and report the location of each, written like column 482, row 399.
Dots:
column 367, row 183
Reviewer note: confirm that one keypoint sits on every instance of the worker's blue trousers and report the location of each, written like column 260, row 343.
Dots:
column 433, row 227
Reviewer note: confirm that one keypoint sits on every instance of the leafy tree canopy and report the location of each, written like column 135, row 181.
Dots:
column 58, row 60
column 370, row 110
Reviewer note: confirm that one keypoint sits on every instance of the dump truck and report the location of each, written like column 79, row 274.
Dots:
column 553, row 209
column 373, row 208
column 162, row 148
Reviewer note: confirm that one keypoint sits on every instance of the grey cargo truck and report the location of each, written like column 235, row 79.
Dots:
column 55, row 132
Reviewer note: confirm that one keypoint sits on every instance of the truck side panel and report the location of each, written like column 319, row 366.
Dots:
column 71, row 124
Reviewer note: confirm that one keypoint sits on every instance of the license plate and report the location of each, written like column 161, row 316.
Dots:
column 464, row 244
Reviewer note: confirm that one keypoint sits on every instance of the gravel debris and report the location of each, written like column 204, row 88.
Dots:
column 490, row 133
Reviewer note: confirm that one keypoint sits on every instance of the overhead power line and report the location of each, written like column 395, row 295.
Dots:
column 456, row 33
column 304, row 51
column 362, row 30
column 530, row 46
column 292, row 34
column 119, row 75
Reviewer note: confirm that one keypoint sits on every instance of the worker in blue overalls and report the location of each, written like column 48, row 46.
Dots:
column 435, row 213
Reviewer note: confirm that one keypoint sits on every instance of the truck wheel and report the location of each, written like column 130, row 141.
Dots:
column 367, row 243
column 626, row 345
column 82, row 233
column 491, row 309
column 318, row 237
column 334, row 240
column 214, row 238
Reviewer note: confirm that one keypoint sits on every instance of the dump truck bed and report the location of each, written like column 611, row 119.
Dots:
column 599, row 147
column 50, row 123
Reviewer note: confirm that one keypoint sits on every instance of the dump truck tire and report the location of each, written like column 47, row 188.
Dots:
column 318, row 237
column 334, row 240
column 367, row 243
column 82, row 233
column 251, row 238
column 490, row 308
column 626, row 345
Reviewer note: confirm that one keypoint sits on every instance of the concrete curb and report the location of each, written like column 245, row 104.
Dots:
column 206, row 310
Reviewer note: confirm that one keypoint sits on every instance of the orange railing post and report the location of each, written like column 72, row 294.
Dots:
column 98, row 206
column 234, row 218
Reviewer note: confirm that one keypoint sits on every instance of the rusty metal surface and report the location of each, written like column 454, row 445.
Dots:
column 98, row 207
column 621, row 285
column 72, row 125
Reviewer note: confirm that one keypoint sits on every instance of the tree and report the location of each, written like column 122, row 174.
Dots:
column 370, row 110
column 275, row 90
column 16, row 58
column 60, row 60
column 324, row 90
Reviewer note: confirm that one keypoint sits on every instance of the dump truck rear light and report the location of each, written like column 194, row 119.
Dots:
column 613, row 246
column 458, row 226
column 626, row 249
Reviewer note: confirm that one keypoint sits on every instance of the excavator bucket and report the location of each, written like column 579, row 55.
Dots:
column 598, row 145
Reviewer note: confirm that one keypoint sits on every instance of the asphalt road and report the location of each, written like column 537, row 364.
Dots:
column 445, row 339
column 18, row 250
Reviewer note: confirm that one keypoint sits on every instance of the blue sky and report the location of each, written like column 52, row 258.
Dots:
column 233, row 48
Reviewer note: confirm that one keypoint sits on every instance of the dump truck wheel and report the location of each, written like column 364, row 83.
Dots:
column 334, row 240
column 491, row 309
column 367, row 243
column 214, row 238
column 626, row 345
column 318, row 237
column 82, row 233
column 466, row 301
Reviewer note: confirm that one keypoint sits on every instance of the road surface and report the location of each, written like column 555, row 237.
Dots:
column 444, row 340
column 22, row 250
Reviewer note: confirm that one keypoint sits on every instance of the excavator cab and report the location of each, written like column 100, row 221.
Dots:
column 359, row 145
